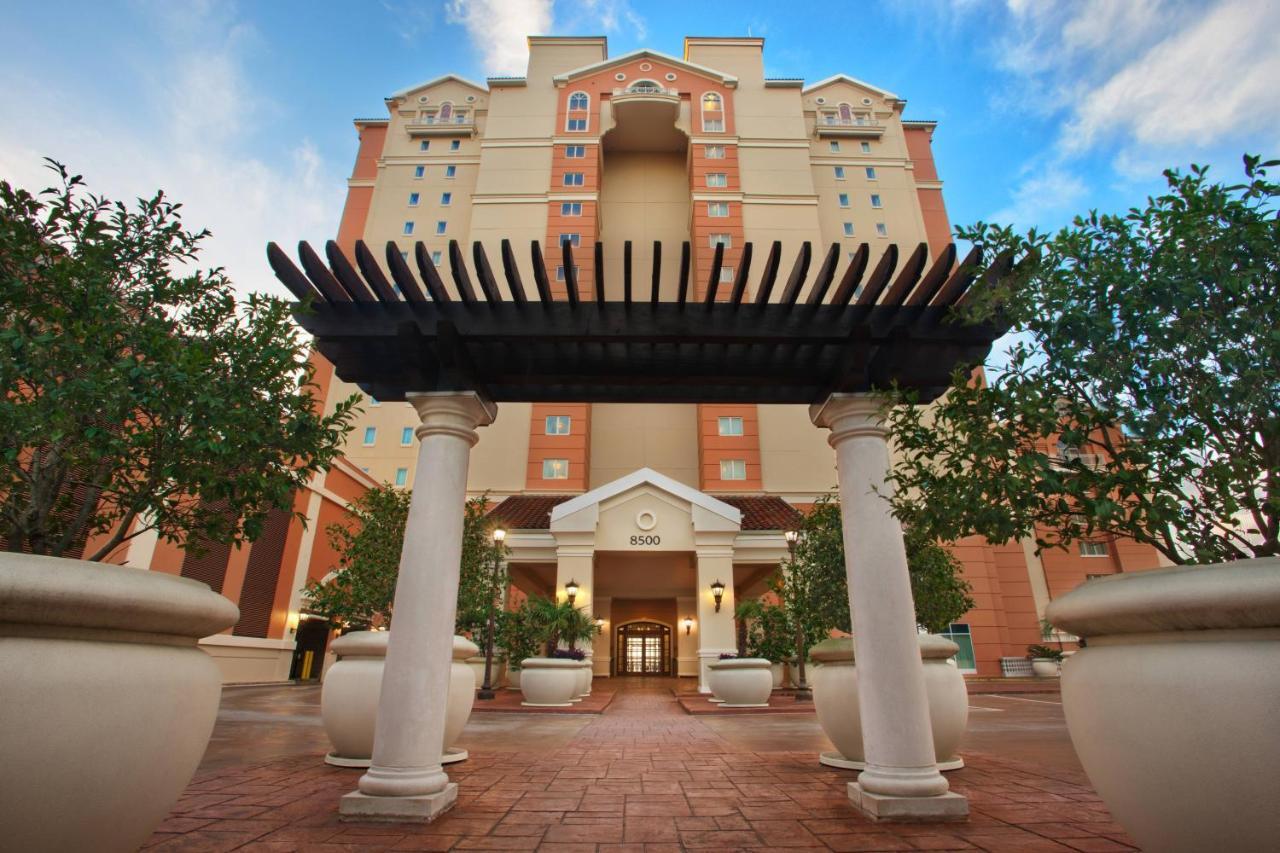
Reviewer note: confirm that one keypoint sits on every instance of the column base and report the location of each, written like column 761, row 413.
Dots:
column 943, row 807
column 420, row 809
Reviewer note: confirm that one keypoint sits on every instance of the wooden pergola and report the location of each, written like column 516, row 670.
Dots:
column 455, row 352
column 796, row 340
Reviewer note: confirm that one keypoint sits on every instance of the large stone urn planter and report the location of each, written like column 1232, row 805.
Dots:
column 513, row 678
column 835, row 698
column 776, row 670
column 352, row 686
column 549, row 682
column 1172, row 705
column 106, row 702
column 1046, row 667
column 585, row 677
column 741, row 682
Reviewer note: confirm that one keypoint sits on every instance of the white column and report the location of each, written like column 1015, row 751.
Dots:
column 406, row 780
column 901, row 779
column 715, row 629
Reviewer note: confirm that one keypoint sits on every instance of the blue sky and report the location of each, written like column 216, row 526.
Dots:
column 243, row 110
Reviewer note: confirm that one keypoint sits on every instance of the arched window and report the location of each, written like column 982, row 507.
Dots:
column 446, row 111
column 712, row 113
column 646, row 86
column 577, row 118
column 846, row 114
column 579, row 101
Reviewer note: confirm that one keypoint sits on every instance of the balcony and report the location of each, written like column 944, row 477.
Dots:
column 833, row 126
column 647, row 92
column 431, row 126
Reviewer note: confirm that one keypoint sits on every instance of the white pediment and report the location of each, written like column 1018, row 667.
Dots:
column 705, row 512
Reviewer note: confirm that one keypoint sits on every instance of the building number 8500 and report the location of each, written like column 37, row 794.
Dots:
column 651, row 539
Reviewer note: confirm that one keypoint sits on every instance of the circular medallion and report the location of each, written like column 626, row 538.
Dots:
column 646, row 520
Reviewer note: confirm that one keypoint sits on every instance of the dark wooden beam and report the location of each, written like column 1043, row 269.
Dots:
column 713, row 283
column 907, row 277
column 373, row 274
column 770, row 274
column 512, row 273
column 852, row 276
column 540, row 273
column 461, row 278
column 599, row 271
column 290, row 276
column 484, row 273
column 958, row 282
column 346, row 274
column 657, row 273
column 683, row 294
column 826, row 273
column 320, row 275
column 934, row 278
column 740, row 280
column 795, row 281
column 626, row 272
column 570, row 271
column 879, row 277
column 430, row 275
column 402, row 275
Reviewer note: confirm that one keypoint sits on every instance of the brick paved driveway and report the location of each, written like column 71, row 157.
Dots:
column 642, row 777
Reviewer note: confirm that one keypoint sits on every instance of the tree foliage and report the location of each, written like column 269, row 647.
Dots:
column 139, row 393
column 1142, row 396
column 556, row 622
column 939, row 590
column 518, row 634
column 369, row 542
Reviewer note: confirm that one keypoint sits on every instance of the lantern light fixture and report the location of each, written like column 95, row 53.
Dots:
column 571, row 590
column 688, row 625
column 792, row 536
column 717, row 590
column 499, row 535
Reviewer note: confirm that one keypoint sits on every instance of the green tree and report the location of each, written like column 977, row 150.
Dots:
column 938, row 588
column 1141, row 398
column 518, row 634
column 139, row 393
column 480, row 583
column 368, row 543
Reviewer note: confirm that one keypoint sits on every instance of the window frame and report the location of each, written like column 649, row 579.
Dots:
column 882, row 229
column 708, row 149
column 728, row 475
column 712, row 206
column 567, row 208
column 406, row 436
column 419, row 172
column 568, row 425
column 722, row 179
column 408, row 228
column 719, row 239
column 730, row 420
column 450, row 172
column 843, row 199
column 446, row 199
column 570, row 155
column 708, row 123
column 575, row 239
column 847, row 229
column 442, row 227
column 549, row 473
column 871, row 173
column 574, row 179
column 1089, row 548
column 414, row 199
column 876, row 201
column 370, row 436
column 402, row 477
column 838, row 171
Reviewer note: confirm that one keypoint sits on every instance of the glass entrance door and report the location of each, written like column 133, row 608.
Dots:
column 644, row 648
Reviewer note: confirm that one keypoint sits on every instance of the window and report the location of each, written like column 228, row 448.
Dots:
column 717, row 179
column 835, row 146
column 839, row 173
column 733, row 469
column 571, row 208
column 573, row 179
column 713, row 152
column 871, row 173
column 576, row 124
column 866, row 148
column 460, row 117
column 875, row 201
column 846, row 114
column 441, row 227
column 848, row 229
column 455, row 144
column 406, row 436
column 413, row 199
column 450, row 171
column 402, row 476
column 1093, row 549
column 725, row 240
column 574, row 240
column 579, row 101
column 446, row 199
column 560, row 273
column 555, row 469
column 958, row 633
column 726, row 274
column 575, row 152
column 717, row 209
column 370, row 436
column 408, row 228
column 882, row 230
column 446, row 111
column 558, row 424
column 424, row 145
column 435, row 257
column 844, row 199
column 419, row 171
column 731, row 425
column 712, row 113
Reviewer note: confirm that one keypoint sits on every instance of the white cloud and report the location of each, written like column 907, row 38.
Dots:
column 1043, row 193
column 498, row 29
column 190, row 135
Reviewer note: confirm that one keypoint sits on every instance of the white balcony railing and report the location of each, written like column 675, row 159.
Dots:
column 836, row 121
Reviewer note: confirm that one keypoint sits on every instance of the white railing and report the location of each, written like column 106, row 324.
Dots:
column 463, row 119
column 647, row 90
column 836, row 121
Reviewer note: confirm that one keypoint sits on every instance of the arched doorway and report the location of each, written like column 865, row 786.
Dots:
column 643, row 648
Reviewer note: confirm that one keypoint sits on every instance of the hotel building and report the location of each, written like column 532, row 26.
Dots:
column 643, row 507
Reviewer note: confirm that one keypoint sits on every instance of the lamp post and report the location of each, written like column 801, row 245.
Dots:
column 486, row 689
column 803, row 693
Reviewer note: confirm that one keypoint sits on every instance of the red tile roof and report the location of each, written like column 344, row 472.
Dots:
column 533, row 512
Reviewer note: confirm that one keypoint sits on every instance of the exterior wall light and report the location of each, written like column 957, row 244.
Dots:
column 688, row 625
column 600, row 623
column 717, row 590
column 499, row 535
column 792, row 536
column 571, row 590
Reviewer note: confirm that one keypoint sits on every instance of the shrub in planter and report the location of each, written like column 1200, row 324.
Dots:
column 1046, row 662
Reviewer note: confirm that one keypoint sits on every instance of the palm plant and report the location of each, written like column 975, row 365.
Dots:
column 579, row 627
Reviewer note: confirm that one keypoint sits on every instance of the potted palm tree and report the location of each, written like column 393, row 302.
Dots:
column 1046, row 662
column 579, row 627
column 552, row 680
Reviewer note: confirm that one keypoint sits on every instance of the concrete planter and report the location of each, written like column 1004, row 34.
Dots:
column 776, row 669
column 835, row 698
column 1046, row 667
column 585, row 677
column 352, row 686
column 513, row 679
column 741, row 682
column 549, row 682
column 1171, row 706
column 107, row 701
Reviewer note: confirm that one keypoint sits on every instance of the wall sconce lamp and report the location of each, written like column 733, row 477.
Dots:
column 717, row 590
column 688, row 625
column 599, row 623
column 498, row 535
column 571, row 590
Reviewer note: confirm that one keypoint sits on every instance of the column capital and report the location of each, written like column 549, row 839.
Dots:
column 456, row 413
column 850, row 416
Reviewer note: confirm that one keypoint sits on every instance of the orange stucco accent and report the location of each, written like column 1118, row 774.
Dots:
column 588, row 228
column 575, row 447
column 714, row 448
column 704, row 225
column 355, row 213
column 937, row 226
column 288, row 569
